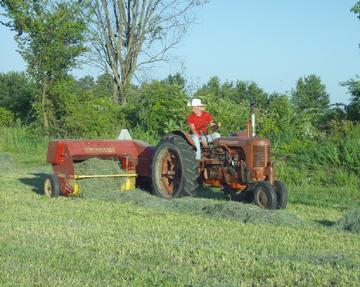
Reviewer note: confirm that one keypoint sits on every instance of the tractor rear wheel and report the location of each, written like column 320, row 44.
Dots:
column 264, row 195
column 282, row 194
column 174, row 168
column 51, row 186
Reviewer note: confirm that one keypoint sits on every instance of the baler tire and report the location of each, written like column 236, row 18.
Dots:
column 282, row 194
column 51, row 186
column 264, row 195
column 182, row 159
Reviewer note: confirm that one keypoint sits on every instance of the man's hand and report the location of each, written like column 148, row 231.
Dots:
column 203, row 141
column 214, row 127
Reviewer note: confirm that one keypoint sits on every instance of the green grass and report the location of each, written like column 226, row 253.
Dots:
column 25, row 146
column 108, row 238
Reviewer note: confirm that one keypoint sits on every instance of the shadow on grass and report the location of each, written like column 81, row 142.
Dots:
column 36, row 182
column 326, row 223
column 209, row 193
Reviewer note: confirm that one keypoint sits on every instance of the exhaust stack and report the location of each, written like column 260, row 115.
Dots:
column 253, row 125
column 252, row 119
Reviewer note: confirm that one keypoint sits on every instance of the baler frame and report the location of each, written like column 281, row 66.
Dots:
column 134, row 157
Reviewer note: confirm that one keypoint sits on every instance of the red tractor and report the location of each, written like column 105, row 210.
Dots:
column 240, row 164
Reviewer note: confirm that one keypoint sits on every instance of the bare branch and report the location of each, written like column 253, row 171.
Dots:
column 129, row 30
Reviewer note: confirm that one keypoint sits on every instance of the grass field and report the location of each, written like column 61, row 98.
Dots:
column 109, row 238
column 113, row 239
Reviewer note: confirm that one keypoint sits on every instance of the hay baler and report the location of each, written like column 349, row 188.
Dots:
column 133, row 156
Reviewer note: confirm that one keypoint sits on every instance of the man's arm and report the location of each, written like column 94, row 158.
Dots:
column 192, row 127
column 193, row 130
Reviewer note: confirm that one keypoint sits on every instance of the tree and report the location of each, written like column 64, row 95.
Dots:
column 103, row 86
column 275, row 120
column 239, row 92
column 176, row 79
column 130, row 34
column 310, row 96
column 50, row 36
column 356, row 9
column 158, row 106
column 353, row 109
column 17, row 94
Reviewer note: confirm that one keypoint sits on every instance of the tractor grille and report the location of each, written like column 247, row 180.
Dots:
column 261, row 155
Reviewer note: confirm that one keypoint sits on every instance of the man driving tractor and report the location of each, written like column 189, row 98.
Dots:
column 199, row 121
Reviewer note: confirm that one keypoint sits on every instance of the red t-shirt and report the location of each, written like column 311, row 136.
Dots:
column 200, row 122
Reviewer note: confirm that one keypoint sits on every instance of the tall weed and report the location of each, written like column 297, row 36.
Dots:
column 22, row 142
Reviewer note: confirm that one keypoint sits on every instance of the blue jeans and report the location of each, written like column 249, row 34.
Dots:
column 208, row 138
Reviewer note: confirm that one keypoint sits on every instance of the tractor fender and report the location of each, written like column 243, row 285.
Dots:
column 183, row 134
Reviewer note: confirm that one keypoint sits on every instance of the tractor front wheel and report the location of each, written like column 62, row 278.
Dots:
column 51, row 186
column 282, row 194
column 174, row 168
column 265, row 196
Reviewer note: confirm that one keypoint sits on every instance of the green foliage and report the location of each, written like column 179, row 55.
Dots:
column 17, row 93
column 310, row 97
column 232, row 116
column 159, row 107
column 95, row 118
column 51, row 37
column 276, row 118
column 229, row 103
column 147, row 136
column 6, row 117
column 23, row 143
column 176, row 79
column 238, row 93
column 103, row 86
column 81, row 114
column 356, row 9
column 353, row 108
column 332, row 155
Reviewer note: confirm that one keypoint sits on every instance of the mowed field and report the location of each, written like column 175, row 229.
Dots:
column 109, row 238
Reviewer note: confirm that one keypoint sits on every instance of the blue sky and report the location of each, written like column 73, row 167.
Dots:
column 272, row 43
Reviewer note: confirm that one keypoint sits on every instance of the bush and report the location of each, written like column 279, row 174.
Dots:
column 93, row 118
column 6, row 118
column 158, row 107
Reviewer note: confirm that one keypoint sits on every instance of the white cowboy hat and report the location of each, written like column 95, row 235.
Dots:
column 195, row 103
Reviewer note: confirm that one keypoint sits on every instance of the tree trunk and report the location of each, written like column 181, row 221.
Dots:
column 119, row 92
column 115, row 94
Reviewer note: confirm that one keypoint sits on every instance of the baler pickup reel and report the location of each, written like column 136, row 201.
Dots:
column 134, row 158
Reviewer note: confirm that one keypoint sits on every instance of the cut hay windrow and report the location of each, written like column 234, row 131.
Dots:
column 350, row 221
column 108, row 189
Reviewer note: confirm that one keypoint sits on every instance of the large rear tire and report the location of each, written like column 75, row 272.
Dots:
column 282, row 194
column 174, row 168
column 264, row 195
